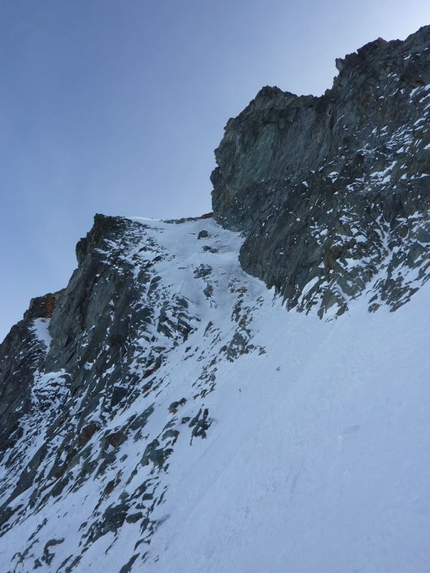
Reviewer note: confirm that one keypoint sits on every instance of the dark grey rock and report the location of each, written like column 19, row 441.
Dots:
column 110, row 330
column 200, row 424
column 329, row 191
column 21, row 355
column 320, row 185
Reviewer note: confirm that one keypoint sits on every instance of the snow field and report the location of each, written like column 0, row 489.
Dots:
column 318, row 453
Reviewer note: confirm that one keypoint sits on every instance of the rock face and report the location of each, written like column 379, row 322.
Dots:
column 332, row 190
column 89, row 390
column 26, row 339
column 107, row 384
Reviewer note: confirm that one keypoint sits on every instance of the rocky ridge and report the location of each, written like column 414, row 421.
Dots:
column 107, row 383
column 333, row 192
column 89, row 391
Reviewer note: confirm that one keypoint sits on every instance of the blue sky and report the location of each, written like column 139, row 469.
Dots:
column 117, row 106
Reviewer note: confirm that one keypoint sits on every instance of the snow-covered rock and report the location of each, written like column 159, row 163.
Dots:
column 169, row 413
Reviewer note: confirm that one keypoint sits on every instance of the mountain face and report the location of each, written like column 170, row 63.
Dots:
column 333, row 190
column 100, row 382
column 166, row 413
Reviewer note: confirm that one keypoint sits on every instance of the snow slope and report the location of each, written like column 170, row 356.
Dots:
column 321, row 462
column 317, row 454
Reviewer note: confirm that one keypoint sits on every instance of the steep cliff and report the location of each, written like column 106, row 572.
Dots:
column 164, row 412
column 333, row 190
column 96, row 390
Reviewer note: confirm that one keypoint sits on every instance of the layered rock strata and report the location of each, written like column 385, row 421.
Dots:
column 332, row 190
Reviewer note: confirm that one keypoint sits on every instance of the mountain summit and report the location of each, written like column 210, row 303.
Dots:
column 333, row 190
column 234, row 393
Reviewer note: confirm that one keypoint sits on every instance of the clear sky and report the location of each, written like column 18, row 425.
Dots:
column 116, row 107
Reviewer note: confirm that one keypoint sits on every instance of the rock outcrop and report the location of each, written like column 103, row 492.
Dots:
column 22, row 353
column 89, row 384
column 107, row 384
column 331, row 190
